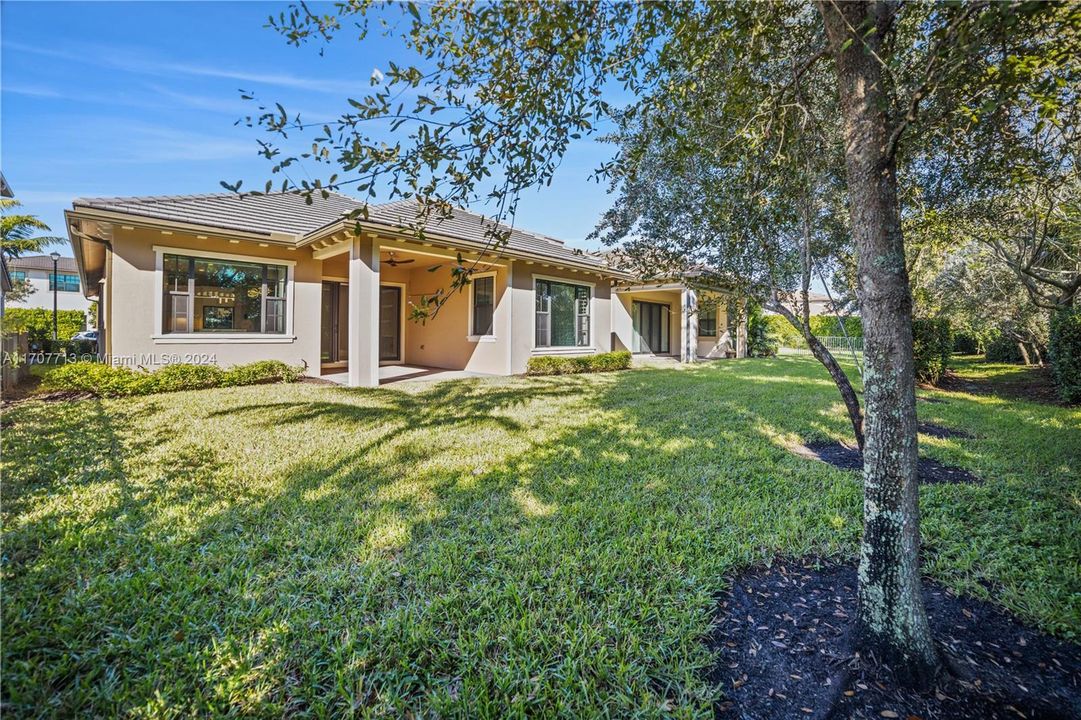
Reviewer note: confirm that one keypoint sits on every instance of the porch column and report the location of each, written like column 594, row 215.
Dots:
column 364, row 312
column 741, row 331
column 688, row 351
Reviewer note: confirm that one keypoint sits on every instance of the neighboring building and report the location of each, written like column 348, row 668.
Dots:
column 232, row 279
column 38, row 270
column 820, row 305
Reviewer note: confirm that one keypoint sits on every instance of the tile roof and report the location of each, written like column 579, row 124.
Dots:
column 42, row 262
column 472, row 227
column 264, row 214
column 289, row 213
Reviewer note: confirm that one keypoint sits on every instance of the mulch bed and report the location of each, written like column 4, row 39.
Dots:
column 846, row 457
column 942, row 432
column 1034, row 384
column 782, row 637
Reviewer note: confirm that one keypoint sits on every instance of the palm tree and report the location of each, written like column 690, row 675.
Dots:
column 18, row 232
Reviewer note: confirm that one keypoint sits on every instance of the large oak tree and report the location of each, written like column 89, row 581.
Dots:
column 495, row 94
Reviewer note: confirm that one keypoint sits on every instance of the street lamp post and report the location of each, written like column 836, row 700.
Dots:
column 56, row 282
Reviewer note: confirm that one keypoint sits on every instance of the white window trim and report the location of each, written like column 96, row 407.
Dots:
column 565, row 350
column 470, row 337
column 159, row 336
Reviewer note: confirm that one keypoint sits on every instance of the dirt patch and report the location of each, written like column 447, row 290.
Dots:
column 1032, row 383
column 942, row 432
column 846, row 457
column 782, row 637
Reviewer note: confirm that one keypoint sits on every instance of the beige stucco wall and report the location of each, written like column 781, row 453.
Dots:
column 622, row 324
column 132, row 291
column 523, row 305
column 716, row 347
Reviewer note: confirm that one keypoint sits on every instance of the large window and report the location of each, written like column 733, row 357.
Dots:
column 483, row 304
column 63, row 283
column 562, row 313
column 707, row 321
column 210, row 295
column 18, row 275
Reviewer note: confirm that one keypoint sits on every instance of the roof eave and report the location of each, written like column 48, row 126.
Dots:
column 450, row 240
column 137, row 220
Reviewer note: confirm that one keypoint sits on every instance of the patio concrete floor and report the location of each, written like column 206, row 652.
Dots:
column 389, row 374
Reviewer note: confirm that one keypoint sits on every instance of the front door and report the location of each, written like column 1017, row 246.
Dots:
column 390, row 323
column 651, row 324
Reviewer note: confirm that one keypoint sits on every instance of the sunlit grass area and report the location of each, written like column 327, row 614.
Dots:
column 485, row 548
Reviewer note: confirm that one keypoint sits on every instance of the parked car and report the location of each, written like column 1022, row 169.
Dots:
column 86, row 335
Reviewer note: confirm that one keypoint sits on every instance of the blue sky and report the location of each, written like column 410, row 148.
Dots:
column 140, row 98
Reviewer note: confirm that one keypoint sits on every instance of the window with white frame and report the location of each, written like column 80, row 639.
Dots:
column 483, row 305
column 208, row 295
column 562, row 314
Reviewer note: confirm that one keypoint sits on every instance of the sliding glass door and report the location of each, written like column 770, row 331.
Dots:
column 651, row 323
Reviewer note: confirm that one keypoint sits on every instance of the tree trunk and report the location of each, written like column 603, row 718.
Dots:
column 891, row 620
column 1024, row 352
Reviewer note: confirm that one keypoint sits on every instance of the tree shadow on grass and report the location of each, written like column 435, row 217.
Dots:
column 478, row 548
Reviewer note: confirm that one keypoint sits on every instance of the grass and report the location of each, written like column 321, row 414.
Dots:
column 481, row 548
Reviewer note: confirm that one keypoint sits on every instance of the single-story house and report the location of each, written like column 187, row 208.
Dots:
column 230, row 278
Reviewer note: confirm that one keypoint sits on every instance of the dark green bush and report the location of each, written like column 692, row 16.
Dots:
column 762, row 341
column 571, row 365
column 1003, row 349
column 37, row 323
column 1064, row 350
column 966, row 344
column 117, row 381
column 932, row 345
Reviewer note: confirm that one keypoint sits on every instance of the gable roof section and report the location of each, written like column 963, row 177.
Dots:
column 473, row 228
column 288, row 214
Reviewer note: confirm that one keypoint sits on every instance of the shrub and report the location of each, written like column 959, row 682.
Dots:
column 571, row 365
column 1003, row 349
column 262, row 371
column 116, row 381
column 829, row 326
column 37, row 323
column 932, row 345
column 966, row 343
column 762, row 341
column 821, row 326
column 1064, row 350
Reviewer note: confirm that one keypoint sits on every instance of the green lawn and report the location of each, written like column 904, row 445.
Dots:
column 487, row 548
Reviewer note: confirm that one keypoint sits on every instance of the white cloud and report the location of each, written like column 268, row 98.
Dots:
column 134, row 62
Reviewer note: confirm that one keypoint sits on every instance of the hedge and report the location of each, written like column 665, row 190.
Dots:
column 932, row 345
column 37, row 323
column 117, row 381
column 1064, row 351
column 572, row 365
column 821, row 326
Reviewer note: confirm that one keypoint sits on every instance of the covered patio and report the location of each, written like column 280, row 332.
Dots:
column 369, row 285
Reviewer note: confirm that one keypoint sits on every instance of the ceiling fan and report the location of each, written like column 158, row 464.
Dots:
column 394, row 263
